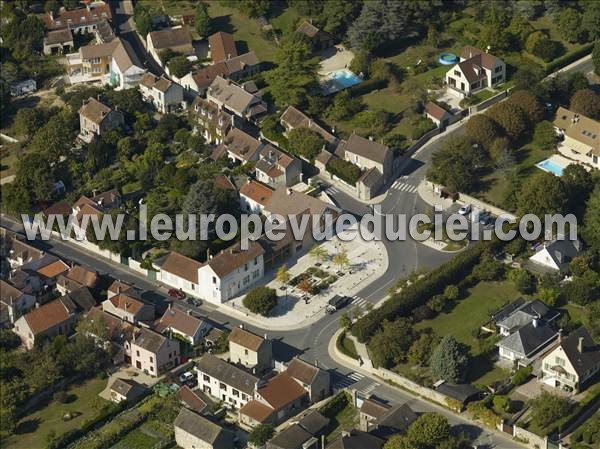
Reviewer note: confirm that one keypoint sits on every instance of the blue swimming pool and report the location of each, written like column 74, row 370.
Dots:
column 448, row 59
column 551, row 167
column 340, row 80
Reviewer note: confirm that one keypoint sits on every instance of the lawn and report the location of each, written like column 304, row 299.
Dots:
column 137, row 439
column 32, row 430
column 472, row 312
column 246, row 30
column 346, row 346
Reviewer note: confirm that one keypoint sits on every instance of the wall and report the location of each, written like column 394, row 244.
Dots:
column 464, row 199
column 490, row 101
column 403, row 382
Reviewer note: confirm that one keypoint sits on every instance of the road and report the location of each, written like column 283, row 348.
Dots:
column 125, row 29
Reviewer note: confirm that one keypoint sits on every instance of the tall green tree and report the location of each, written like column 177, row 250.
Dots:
column 202, row 20
column 295, row 76
column 569, row 25
column 542, row 193
column 596, row 57
column 456, row 165
column 450, row 360
column 591, row 221
column 586, row 102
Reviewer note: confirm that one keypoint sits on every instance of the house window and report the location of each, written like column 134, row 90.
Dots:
column 256, row 274
column 222, row 386
column 246, row 267
column 457, row 73
column 244, row 397
column 205, row 378
column 235, row 392
column 137, row 353
column 246, row 280
column 246, row 351
column 151, row 360
column 151, row 369
column 214, row 280
column 498, row 69
column 560, row 361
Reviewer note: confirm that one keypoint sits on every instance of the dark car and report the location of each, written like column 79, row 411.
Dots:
column 337, row 302
column 176, row 294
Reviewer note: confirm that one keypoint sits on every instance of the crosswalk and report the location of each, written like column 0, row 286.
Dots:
column 351, row 380
column 361, row 303
column 402, row 184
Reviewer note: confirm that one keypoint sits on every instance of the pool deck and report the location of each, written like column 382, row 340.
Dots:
column 334, row 59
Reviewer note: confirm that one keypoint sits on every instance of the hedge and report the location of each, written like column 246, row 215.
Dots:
column 367, row 86
column 401, row 304
column 336, row 405
column 344, row 170
column 568, row 58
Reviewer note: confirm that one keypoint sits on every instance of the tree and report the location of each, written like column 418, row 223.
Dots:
column 449, row 360
column 529, row 104
column 523, row 280
column 260, row 300
column 596, row 57
column 582, row 290
column 344, row 106
column 305, row 142
column 590, row 21
column 547, row 408
column 319, row 253
column 283, row 276
column 451, row 292
column 337, row 15
column 399, row 442
column 378, row 22
column 341, row 259
column 420, row 351
column 591, row 230
column 390, row 345
column 261, row 434
column 511, row 119
column 482, row 129
column 428, row 430
column 488, row 270
column 456, row 165
column 202, row 20
column 540, row 44
column 542, row 194
column 28, row 120
column 179, row 66
column 142, row 19
column 578, row 183
column 9, row 340
column 569, row 25
column 520, row 28
column 544, row 135
column 586, row 102
column 296, row 72
column 549, row 296
column 502, row 403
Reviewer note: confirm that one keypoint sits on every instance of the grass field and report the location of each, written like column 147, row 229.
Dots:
column 346, row 346
column 472, row 312
column 347, row 419
column 137, row 439
column 32, row 430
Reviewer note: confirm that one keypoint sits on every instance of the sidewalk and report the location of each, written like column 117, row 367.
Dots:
column 430, row 197
column 368, row 261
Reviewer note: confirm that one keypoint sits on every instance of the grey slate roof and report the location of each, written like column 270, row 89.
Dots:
column 203, row 429
column 227, row 373
column 526, row 312
column 149, row 340
column 292, row 437
column 562, row 251
column 313, row 422
column 395, row 420
column 356, row 440
column 366, row 148
column 588, row 358
column 528, row 339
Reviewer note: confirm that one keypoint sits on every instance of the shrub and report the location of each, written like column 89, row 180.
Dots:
column 523, row 280
column 336, row 405
column 502, row 403
column 261, row 300
column 421, row 127
column 261, row 434
column 521, row 376
column 344, row 170
column 61, row 396
column 179, row 66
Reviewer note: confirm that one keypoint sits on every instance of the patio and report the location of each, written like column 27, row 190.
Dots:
column 334, row 59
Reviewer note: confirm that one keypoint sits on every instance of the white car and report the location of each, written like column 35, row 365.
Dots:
column 185, row 377
column 465, row 209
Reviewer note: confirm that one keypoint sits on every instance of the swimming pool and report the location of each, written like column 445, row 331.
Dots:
column 448, row 59
column 551, row 167
column 340, row 80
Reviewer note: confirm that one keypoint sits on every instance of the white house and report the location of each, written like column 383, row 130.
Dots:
column 181, row 273
column 234, row 98
column 527, row 344
column 254, row 196
column 13, row 303
column 164, row 94
column 557, row 254
column 182, row 324
column 475, row 71
column 225, row 382
column 581, row 137
column 252, row 351
column 573, row 362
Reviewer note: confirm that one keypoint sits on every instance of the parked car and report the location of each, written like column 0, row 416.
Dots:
column 336, row 303
column 194, row 302
column 465, row 210
column 186, row 377
column 176, row 294
column 485, row 218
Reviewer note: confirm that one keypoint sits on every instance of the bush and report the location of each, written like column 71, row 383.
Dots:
column 523, row 280
column 521, row 376
column 336, row 405
column 502, row 403
column 61, row 396
column 179, row 66
column 261, row 434
column 420, row 127
column 568, row 58
column 261, row 300
column 344, row 170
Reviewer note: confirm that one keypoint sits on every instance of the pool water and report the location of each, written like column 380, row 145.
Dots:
column 345, row 78
column 550, row 167
column 339, row 80
column 448, row 59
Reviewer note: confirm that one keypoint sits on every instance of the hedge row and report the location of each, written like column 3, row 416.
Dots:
column 567, row 59
column 344, row 170
column 404, row 302
column 367, row 86
column 336, row 405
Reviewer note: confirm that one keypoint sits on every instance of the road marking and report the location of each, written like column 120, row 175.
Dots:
column 356, row 376
column 368, row 389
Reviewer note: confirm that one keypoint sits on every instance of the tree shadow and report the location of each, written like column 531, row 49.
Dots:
column 223, row 23
column 28, row 426
column 478, row 366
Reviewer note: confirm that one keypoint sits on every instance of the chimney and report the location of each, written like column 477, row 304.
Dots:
column 580, row 345
column 266, row 336
column 535, row 322
column 242, row 326
column 208, row 254
column 189, row 312
column 560, row 332
column 371, row 138
column 170, row 304
column 289, row 191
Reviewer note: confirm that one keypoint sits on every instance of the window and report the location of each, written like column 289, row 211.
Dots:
column 235, row 392
column 205, row 378
column 498, row 69
column 457, row 73
column 214, row 280
column 559, row 361
column 256, row 261
column 246, row 280
column 246, row 351
column 222, row 386
column 244, row 397
column 151, row 359
column 137, row 353
column 151, row 369
column 246, row 267
column 256, row 274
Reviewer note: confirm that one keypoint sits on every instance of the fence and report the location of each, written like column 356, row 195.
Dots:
column 414, row 387
column 490, row 101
